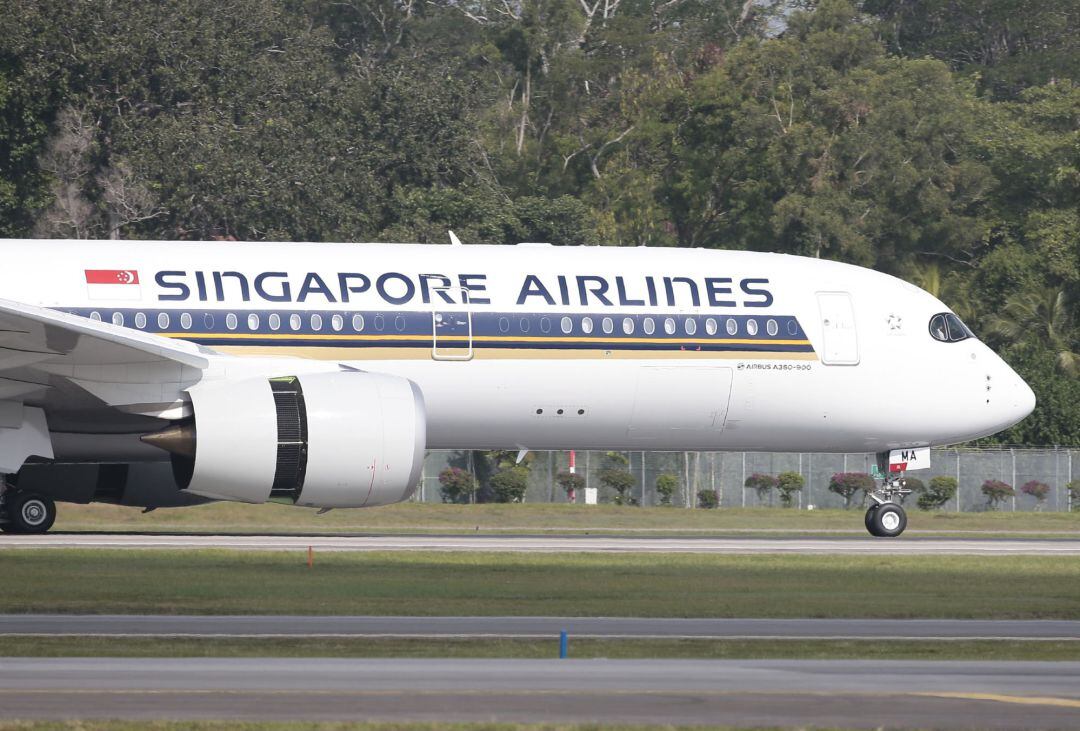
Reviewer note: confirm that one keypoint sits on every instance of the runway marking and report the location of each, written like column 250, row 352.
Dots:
column 521, row 635
column 1018, row 699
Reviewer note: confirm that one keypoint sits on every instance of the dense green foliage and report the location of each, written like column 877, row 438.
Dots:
column 938, row 140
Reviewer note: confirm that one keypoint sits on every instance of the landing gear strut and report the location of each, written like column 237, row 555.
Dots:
column 25, row 512
column 886, row 518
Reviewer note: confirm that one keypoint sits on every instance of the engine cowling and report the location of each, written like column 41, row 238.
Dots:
column 331, row 440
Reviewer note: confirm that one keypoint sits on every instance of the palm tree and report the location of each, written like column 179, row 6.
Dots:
column 1045, row 314
column 944, row 284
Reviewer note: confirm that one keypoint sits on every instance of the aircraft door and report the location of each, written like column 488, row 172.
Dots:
column 840, row 338
column 452, row 333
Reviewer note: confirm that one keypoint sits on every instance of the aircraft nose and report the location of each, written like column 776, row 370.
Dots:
column 1022, row 396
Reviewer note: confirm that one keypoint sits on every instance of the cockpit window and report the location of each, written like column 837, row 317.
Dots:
column 948, row 328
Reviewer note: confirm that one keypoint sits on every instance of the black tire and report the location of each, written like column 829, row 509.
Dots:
column 29, row 512
column 889, row 521
column 870, row 512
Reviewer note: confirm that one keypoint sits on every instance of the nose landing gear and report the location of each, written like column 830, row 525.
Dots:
column 886, row 518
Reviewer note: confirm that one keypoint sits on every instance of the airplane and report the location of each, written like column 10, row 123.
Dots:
column 163, row 374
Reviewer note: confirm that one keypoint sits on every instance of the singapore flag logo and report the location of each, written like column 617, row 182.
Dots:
column 113, row 284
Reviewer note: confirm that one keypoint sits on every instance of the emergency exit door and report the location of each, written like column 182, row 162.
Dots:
column 839, row 336
column 451, row 335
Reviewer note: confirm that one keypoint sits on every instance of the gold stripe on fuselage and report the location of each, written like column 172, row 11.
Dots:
column 353, row 354
column 598, row 341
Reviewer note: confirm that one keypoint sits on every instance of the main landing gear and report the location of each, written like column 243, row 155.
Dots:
column 886, row 518
column 25, row 512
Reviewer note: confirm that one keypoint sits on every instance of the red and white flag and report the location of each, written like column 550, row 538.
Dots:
column 113, row 284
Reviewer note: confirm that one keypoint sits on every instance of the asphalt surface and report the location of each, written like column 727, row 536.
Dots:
column 557, row 544
column 534, row 627
column 988, row 695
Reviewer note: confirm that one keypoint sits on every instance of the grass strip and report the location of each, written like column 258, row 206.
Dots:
column 95, row 725
column 110, row 581
column 546, row 518
column 580, row 648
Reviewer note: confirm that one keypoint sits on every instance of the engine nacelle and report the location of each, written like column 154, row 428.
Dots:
column 330, row 440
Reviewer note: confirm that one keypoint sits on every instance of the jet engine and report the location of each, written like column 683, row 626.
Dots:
column 331, row 440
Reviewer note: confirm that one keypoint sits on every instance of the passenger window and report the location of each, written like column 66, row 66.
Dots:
column 295, row 322
column 710, row 326
column 771, row 327
column 337, row 322
column 504, row 325
column 628, row 325
column 690, row 325
column 208, row 321
column 586, row 325
column 938, row 330
column 669, row 325
column 253, row 321
column 608, row 325
column 95, row 316
column 185, row 320
column 163, row 320
column 751, row 326
column 140, row 320
column 649, row 326
column 566, row 325
column 524, row 324
column 118, row 318
column 380, row 322
column 545, row 325
column 399, row 324
column 731, row 327
column 274, row 321
column 230, row 321
column 316, row 322
column 358, row 323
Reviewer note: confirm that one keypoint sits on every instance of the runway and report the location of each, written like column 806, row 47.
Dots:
column 751, row 692
column 555, row 544
column 142, row 625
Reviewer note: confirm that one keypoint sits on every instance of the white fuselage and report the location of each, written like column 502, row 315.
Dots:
column 511, row 347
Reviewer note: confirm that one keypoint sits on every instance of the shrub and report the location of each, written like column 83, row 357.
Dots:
column 940, row 490
column 996, row 492
column 615, row 475
column 708, row 499
column 915, row 485
column 571, row 482
column 847, row 484
column 509, row 484
column 789, row 483
column 1037, row 490
column 760, row 483
column 456, row 485
column 666, row 484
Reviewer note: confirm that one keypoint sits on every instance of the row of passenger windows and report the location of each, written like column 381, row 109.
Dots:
column 336, row 322
column 649, row 326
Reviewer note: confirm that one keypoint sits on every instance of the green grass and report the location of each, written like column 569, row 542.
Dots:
column 635, row 585
column 89, row 725
column 540, row 518
column 580, row 648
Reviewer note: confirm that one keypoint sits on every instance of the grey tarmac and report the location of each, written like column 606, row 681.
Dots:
column 766, row 692
column 143, row 625
column 556, row 544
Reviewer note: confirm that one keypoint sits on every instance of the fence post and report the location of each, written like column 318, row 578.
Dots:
column 1012, row 454
column 957, row 453
column 742, row 484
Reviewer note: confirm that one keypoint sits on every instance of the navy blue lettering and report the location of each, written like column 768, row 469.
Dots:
column 714, row 288
column 219, row 285
column 564, row 289
column 380, row 286
column 443, row 284
column 624, row 301
column 314, row 284
column 650, row 284
column 598, row 291
column 183, row 291
column 766, row 295
column 533, row 287
column 470, row 289
column 347, row 289
column 285, row 295
column 669, row 288
column 200, row 284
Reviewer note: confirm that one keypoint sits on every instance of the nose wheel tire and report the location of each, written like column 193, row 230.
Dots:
column 886, row 521
column 29, row 513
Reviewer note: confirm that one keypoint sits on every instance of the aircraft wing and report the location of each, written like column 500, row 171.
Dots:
column 43, row 352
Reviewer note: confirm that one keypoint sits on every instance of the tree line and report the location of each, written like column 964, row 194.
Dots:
column 938, row 140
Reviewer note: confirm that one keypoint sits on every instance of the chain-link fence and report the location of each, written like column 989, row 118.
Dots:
column 726, row 473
